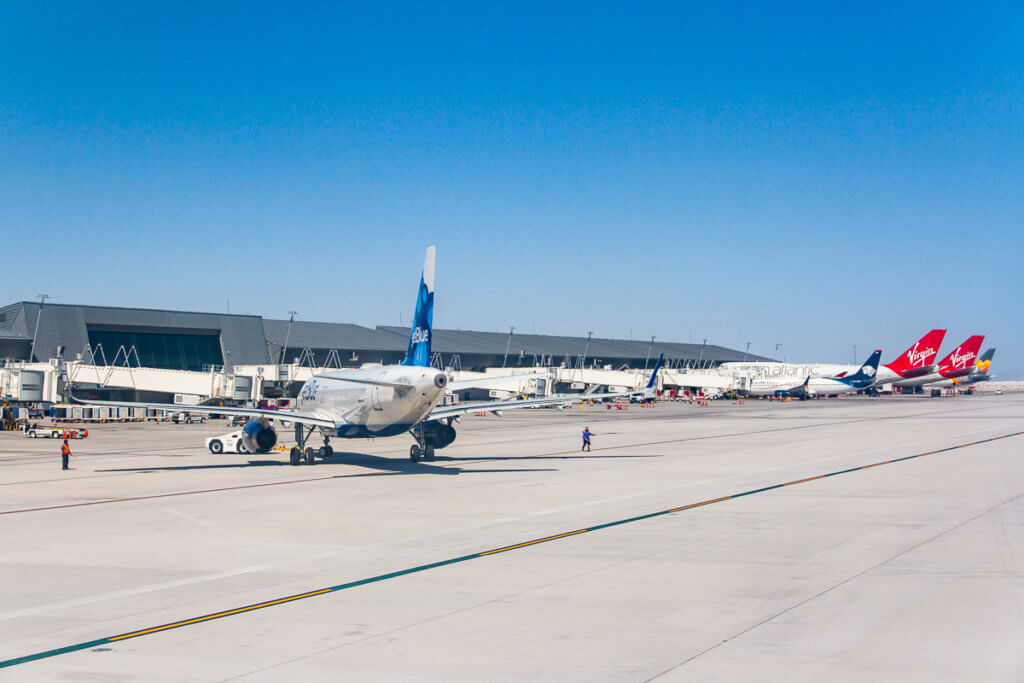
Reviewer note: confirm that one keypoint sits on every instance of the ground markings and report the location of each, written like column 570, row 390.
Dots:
column 453, row 465
column 464, row 558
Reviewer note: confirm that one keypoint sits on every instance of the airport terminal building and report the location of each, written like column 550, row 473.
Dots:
column 181, row 340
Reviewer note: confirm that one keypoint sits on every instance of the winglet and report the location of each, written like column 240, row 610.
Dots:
column 418, row 353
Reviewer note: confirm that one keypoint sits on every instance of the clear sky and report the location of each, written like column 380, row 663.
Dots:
column 815, row 174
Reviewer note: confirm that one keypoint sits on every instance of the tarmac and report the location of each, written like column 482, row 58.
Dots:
column 846, row 539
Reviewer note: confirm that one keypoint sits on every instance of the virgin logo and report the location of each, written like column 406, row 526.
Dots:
column 916, row 356
column 960, row 360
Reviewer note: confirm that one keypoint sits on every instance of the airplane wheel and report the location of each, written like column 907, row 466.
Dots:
column 295, row 455
column 415, row 452
column 310, row 456
column 326, row 452
column 428, row 453
column 216, row 447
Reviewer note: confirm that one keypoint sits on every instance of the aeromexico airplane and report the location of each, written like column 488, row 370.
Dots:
column 820, row 386
column 376, row 402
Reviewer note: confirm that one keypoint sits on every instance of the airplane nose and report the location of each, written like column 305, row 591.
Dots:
column 440, row 380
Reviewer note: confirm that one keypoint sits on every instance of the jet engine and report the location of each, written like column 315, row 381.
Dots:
column 258, row 436
column 438, row 434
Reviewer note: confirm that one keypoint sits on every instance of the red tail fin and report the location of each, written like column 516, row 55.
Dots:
column 963, row 355
column 920, row 354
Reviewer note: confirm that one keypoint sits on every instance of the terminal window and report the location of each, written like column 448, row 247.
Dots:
column 169, row 350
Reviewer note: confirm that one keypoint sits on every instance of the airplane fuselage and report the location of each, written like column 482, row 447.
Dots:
column 826, row 386
column 366, row 410
column 937, row 376
column 772, row 387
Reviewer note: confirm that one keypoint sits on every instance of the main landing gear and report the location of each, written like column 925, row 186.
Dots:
column 417, row 452
column 423, row 448
column 429, row 436
column 306, row 454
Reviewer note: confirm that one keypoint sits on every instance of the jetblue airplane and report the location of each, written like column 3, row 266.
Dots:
column 375, row 402
column 650, row 391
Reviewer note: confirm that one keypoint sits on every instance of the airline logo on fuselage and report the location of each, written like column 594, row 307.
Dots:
column 308, row 392
column 419, row 336
column 917, row 357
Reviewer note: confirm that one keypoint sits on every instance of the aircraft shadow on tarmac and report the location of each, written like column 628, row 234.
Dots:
column 567, row 456
column 382, row 466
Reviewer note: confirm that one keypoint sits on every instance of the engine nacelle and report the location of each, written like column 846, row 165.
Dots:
column 438, row 434
column 258, row 436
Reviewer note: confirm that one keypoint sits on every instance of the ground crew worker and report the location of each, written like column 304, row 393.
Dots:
column 586, row 439
column 65, row 453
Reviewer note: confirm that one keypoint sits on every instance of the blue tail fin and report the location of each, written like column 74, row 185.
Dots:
column 419, row 338
column 654, row 373
column 865, row 376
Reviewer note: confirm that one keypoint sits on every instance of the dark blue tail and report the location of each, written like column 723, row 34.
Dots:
column 864, row 377
column 418, row 353
column 654, row 373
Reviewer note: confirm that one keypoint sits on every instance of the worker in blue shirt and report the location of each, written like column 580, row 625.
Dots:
column 586, row 439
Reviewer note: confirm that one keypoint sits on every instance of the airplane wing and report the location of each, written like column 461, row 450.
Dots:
column 373, row 382
column 286, row 415
column 442, row 412
column 483, row 382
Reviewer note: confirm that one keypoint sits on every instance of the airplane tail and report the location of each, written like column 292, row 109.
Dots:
column 654, row 373
column 985, row 360
column 919, row 355
column 419, row 337
column 865, row 376
column 963, row 356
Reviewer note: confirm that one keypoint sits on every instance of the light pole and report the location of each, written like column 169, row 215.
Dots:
column 701, row 359
column 649, row 347
column 854, row 354
column 746, row 352
column 777, row 347
column 583, row 363
column 32, row 351
column 507, row 345
column 287, row 336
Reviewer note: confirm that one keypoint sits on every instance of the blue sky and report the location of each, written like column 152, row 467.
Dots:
column 812, row 176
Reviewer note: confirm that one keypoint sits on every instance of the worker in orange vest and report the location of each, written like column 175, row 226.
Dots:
column 65, row 453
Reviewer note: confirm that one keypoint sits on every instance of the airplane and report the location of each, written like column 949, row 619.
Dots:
column 959, row 363
column 648, row 393
column 978, row 374
column 915, row 361
column 823, row 386
column 371, row 402
column 845, row 383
